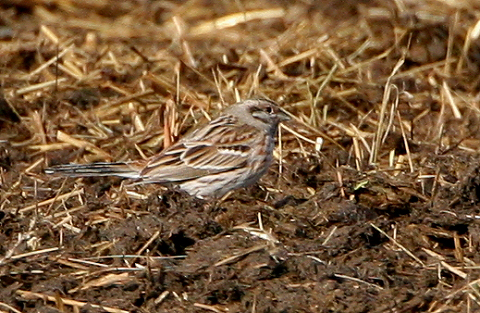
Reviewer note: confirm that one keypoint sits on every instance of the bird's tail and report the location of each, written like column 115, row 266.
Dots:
column 119, row 169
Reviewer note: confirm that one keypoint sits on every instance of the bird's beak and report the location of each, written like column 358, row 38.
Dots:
column 283, row 116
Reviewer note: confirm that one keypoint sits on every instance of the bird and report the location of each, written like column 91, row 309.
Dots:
column 232, row 151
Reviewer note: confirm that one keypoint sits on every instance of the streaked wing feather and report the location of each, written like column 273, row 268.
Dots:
column 168, row 166
column 216, row 158
column 220, row 149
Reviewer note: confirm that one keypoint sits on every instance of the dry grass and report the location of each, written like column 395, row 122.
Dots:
column 374, row 205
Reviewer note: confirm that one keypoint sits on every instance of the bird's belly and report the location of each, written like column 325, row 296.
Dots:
column 217, row 185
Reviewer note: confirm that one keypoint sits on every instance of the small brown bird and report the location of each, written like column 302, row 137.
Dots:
column 232, row 151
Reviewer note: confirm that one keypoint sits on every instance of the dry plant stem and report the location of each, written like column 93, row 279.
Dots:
column 24, row 255
column 272, row 67
column 383, row 109
column 235, row 19
column 399, row 245
column 209, row 308
column 365, row 63
column 329, row 236
column 57, row 194
column 453, row 105
column 169, row 124
column 255, row 81
column 422, row 68
column 298, row 57
column 74, row 303
column 473, row 284
column 61, row 136
column 49, row 62
column 358, row 155
column 105, row 280
column 148, row 243
column 112, row 107
column 450, row 40
column 234, row 258
column 132, row 256
column 8, row 307
column 49, row 201
column 311, row 128
column 472, row 34
column 314, row 117
column 393, row 111
column 218, row 87
column 358, row 281
column 162, row 297
column 254, row 304
column 39, row 86
column 405, row 142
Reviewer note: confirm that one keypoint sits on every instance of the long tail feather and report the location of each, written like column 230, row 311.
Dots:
column 119, row 169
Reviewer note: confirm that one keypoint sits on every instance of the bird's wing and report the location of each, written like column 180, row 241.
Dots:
column 209, row 150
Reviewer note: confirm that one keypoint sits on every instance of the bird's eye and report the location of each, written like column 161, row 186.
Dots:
column 269, row 110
